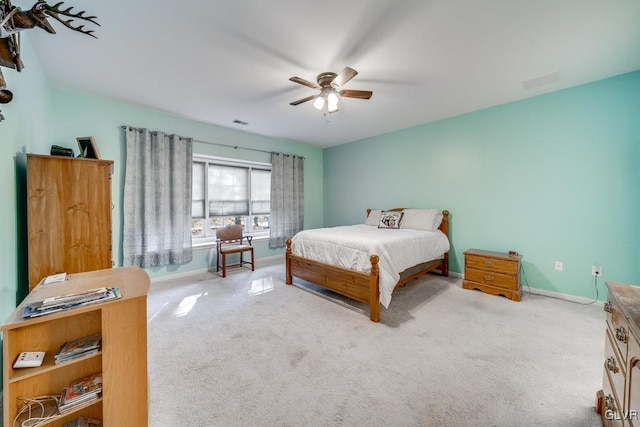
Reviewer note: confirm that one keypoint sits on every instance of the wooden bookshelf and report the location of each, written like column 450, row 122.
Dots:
column 122, row 359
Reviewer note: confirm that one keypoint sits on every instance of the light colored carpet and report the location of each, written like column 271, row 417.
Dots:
column 249, row 350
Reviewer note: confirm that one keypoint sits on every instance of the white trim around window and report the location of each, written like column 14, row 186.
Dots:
column 239, row 197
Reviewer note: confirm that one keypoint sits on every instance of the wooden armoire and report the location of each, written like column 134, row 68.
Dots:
column 69, row 215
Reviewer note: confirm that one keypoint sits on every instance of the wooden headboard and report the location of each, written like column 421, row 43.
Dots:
column 444, row 225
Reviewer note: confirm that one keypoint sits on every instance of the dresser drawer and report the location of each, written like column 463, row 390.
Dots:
column 618, row 327
column 613, row 367
column 491, row 278
column 495, row 265
column 611, row 408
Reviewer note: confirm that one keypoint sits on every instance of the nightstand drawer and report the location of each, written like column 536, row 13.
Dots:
column 492, row 264
column 491, row 278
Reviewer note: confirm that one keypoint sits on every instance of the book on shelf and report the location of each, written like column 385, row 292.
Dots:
column 83, row 421
column 80, row 347
column 80, row 392
column 66, row 302
column 63, row 408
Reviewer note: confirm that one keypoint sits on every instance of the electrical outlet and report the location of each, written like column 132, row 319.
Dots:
column 596, row 270
column 559, row 266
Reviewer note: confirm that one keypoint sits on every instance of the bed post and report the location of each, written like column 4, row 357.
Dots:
column 445, row 265
column 374, row 290
column 444, row 227
column 288, row 278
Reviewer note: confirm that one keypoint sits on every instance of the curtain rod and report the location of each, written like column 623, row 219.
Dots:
column 235, row 147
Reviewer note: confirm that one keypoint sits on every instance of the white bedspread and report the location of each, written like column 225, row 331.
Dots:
column 352, row 246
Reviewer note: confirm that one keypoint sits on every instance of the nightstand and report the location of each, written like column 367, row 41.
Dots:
column 495, row 273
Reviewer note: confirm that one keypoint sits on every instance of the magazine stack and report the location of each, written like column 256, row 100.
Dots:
column 80, row 392
column 66, row 302
column 75, row 349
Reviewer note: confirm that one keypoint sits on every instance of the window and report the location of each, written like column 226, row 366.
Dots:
column 229, row 192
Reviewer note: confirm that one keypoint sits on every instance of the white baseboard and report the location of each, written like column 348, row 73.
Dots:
column 558, row 295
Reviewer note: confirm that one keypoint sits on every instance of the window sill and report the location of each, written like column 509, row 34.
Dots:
column 212, row 243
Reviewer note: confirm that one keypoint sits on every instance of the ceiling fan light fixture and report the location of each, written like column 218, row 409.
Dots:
column 332, row 99
column 330, row 85
column 332, row 102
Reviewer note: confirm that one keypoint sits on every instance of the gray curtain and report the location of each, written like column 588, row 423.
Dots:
column 157, row 199
column 287, row 198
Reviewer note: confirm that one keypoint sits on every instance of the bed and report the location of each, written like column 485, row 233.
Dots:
column 355, row 261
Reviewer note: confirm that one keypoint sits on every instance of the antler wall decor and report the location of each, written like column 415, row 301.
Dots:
column 13, row 20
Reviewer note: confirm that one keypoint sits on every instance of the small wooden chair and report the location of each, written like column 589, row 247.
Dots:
column 229, row 240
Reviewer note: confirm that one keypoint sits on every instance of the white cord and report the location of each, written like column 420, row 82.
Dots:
column 32, row 404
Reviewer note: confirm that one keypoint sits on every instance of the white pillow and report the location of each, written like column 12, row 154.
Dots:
column 374, row 217
column 438, row 221
column 420, row 219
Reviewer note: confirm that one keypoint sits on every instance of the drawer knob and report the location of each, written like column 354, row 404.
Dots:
column 610, row 403
column 488, row 278
column 607, row 307
column 621, row 334
column 488, row 264
column 611, row 365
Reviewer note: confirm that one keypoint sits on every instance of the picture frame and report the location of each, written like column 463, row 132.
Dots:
column 88, row 147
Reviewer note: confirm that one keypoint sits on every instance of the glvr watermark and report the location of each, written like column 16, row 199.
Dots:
column 632, row 414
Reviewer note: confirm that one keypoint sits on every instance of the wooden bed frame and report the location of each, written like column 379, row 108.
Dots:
column 362, row 287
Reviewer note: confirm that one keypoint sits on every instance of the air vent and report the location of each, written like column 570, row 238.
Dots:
column 240, row 122
column 541, row 80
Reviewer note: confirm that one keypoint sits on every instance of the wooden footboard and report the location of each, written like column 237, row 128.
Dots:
column 359, row 286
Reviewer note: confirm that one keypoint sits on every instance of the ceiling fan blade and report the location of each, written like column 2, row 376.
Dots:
column 344, row 76
column 304, row 82
column 361, row 94
column 300, row 101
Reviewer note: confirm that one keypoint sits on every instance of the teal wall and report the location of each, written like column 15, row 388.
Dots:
column 27, row 124
column 555, row 177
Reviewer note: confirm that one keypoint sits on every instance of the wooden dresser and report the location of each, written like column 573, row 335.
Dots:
column 619, row 400
column 495, row 273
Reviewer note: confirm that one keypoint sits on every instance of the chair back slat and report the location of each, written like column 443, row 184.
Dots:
column 229, row 233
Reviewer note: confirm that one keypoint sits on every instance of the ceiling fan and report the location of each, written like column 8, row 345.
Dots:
column 330, row 85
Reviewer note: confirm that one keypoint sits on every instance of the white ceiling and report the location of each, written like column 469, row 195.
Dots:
column 221, row 60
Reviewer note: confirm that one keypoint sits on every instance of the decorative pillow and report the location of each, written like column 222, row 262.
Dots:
column 374, row 217
column 420, row 219
column 390, row 219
